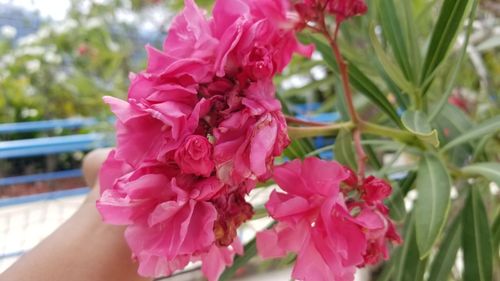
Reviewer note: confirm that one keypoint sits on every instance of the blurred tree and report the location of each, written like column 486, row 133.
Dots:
column 64, row 68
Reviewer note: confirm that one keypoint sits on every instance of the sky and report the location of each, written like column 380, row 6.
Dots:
column 54, row 9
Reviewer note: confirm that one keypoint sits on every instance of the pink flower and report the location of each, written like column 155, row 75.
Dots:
column 233, row 212
column 248, row 140
column 195, row 156
column 312, row 10
column 256, row 35
column 218, row 258
column 375, row 190
column 147, row 131
column 200, row 126
column 331, row 234
column 344, row 9
column 170, row 217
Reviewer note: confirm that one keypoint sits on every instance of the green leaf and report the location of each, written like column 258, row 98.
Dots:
column 490, row 126
column 417, row 123
column 456, row 67
column 490, row 170
column 445, row 31
column 390, row 68
column 476, row 240
column 451, row 123
column 393, row 31
column 396, row 204
column 344, row 149
column 410, row 266
column 299, row 148
column 239, row 261
column 357, row 78
column 495, row 232
column 445, row 258
column 407, row 183
column 433, row 203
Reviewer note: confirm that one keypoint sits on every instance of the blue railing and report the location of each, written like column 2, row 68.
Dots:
column 46, row 146
column 50, row 145
column 47, row 125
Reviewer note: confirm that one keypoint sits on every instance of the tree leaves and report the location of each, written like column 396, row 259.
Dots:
column 476, row 240
column 431, row 208
column 417, row 123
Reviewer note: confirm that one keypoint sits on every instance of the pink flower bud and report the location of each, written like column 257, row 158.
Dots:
column 375, row 189
column 195, row 156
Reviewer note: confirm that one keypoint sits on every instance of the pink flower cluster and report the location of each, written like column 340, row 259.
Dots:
column 311, row 10
column 330, row 221
column 200, row 126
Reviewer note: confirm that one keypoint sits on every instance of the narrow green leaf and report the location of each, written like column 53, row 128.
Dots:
column 444, row 260
column 457, row 66
column 396, row 204
column 410, row 266
column 239, row 261
column 344, row 149
column 495, row 232
column 392, row 30
column 372, row 157
column 412, row 36
column 300, row 147
column 490, row 170
column 433, row 203
column 476, row 240
column 490, row 126
column 387, row 272
column 407, row 183
column 451, row 123
column 390, row 68
column 417, row 123
column 357, row 78
column 445, row 31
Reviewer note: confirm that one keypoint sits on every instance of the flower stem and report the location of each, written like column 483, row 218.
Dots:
column 316, row 131
column 353, row 114
column 374, row 129
column 295, row 120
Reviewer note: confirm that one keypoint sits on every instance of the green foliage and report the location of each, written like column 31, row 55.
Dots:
column 411, row 66
column 65, row 68
column 476, row 240
column 344, row 149
column 417, row 123
column 433, row 203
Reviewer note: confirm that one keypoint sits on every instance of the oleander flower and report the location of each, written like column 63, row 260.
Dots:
column 248, row 140
column 375, row 190
column 195, row 156
column 331, row 234
column 344, row 9
column 312, row 10
column 201, row 125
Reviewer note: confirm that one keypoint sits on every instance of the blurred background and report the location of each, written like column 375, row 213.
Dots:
column 59, row 58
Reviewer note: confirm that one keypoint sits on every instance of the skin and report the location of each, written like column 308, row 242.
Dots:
column 83, row 248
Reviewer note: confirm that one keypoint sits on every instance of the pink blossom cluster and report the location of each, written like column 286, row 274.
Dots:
column 312, row 10
column 333, row 223
column 200, row 127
